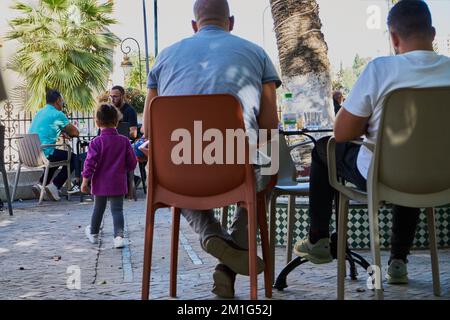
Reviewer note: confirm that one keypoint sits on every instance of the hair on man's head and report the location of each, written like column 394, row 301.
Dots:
column 108, row 115
column 120, row 89
column 410, row 19
column 52, row 96
column 211, row 10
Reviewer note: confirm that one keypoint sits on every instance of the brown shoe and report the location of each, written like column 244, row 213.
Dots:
column 224, row 279
column 235, row 259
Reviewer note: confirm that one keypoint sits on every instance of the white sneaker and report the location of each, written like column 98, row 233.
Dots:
column 52, row 192
column 93, row 238
column 37, row 191
column 75, row 189
column 119, row 242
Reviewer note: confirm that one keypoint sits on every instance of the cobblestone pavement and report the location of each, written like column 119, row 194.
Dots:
column 43, row 249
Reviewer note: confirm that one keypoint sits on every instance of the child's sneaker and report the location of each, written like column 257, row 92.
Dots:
column 93, row 238
column 119, row 242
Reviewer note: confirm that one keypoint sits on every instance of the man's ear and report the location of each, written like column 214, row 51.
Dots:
column 433, row 33
column 194, row 26
column 395, row 40
column 231, row 20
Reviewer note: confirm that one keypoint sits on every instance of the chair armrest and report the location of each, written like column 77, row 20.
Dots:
column 368, row 145
column 64, row 145
column 351, row 193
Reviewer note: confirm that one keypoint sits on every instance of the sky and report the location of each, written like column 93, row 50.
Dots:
column 350, row 27
column 345, row 24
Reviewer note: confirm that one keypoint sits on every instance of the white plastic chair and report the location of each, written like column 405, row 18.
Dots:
column 287, row 184
column 410, row 167
column 31, row 156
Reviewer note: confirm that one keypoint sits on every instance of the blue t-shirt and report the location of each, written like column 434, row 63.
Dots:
column 47, row 124
column 214, row 61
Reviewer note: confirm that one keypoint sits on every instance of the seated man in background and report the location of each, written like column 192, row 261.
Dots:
column 338, row 98
column 415, row 65
column 129, row 115
column 48, row 124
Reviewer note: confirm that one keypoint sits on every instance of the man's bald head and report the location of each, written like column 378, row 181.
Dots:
column 216, row 12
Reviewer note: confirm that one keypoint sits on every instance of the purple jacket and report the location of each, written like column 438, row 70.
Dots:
column 109, row 158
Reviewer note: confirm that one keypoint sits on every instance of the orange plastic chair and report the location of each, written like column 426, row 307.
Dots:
column 199, row 186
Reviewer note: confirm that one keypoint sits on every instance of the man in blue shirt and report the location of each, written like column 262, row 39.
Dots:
column 210, row 62
column 48, row 124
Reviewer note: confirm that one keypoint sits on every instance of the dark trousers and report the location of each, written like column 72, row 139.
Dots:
column 60, row 179
column 321, row 197
column 116, row 212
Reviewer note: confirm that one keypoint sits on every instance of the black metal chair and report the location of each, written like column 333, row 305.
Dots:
column 3, row 169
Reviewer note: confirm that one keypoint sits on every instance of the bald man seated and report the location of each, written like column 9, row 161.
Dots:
column 210, row 62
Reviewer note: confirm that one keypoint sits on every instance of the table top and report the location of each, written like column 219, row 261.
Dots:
column 305, row 130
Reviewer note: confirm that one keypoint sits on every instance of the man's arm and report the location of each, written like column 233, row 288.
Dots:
column 71, row 130
column 132, row 116
column 133, row 132
column 151, row 93
column 268, row 117
column 348, row 126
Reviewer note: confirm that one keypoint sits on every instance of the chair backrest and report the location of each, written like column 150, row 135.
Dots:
column 287, row 171
column 411, row 163
column 30, row 152
column 172, row 125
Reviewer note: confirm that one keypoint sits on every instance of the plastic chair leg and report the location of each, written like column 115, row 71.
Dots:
column 174, row 251
column 148, row 248
column 6, row 184
column 263, row 229
column 433, row 252
column 290, row 228
column 342, row 245
column 16, row 181
column 252, row 250
column 375, row 246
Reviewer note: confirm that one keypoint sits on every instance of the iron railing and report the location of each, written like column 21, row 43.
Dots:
column 18, row 122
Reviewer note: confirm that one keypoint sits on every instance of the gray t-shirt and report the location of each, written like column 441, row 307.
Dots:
column 214, row 61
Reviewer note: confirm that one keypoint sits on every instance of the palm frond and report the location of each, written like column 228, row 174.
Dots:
column 56, row 53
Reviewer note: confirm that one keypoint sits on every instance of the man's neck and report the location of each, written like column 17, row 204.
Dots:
column 55, row 106
column 416, row 47
column 213, row 24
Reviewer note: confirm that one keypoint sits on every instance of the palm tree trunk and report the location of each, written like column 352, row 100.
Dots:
column 303, row 55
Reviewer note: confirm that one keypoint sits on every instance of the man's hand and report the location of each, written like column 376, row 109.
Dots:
column 65, row 135
column 348, row 126
column 85, row 186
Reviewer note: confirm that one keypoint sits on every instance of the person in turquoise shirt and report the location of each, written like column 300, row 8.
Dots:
column 48, row 124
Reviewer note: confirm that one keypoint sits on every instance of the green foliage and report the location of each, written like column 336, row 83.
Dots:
column 65, row 45
column 345, row 78
column 136, row 98
column 137, row 78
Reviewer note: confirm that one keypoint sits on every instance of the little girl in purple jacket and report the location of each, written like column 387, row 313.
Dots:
column 110, row 157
